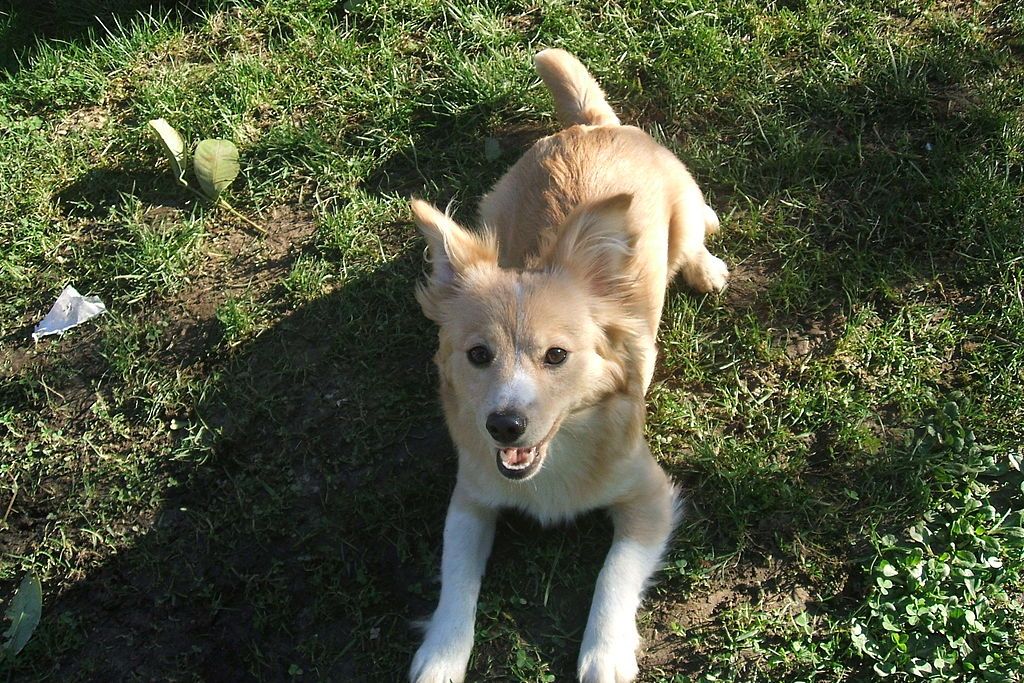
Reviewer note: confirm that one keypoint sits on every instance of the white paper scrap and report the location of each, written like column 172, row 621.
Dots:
column 70, row 309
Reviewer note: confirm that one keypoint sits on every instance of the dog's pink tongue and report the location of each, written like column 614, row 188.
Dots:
column 516, row 456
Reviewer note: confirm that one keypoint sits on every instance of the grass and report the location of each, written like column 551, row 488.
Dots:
column 241, row 471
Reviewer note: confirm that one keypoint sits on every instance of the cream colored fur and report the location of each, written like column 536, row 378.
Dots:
column 579, row 241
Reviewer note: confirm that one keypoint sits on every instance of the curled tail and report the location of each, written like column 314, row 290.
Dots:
column 578, row 97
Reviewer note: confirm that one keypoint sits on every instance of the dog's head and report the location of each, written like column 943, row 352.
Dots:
column 522, row 350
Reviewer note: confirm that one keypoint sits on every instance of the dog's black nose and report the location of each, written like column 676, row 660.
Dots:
column 506, row 427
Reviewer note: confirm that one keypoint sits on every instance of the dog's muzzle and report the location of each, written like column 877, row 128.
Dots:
column 519, row 463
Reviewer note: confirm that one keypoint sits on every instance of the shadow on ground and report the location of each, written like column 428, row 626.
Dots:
column 326, row 469
column 91, row 195
column 27, row 25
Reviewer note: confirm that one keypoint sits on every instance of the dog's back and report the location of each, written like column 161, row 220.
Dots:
column 593, row 158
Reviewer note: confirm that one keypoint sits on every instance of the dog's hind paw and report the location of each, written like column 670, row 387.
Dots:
column 706, row 273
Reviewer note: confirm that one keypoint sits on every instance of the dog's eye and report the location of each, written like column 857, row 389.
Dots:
column 555, row 356
column 479, row 355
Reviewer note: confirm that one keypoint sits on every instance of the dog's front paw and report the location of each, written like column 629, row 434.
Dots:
column 707, row 273
column 609, row 665
column 609, row 660
column 441, row 661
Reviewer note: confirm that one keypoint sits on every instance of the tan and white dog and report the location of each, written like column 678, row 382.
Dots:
column 547, row 319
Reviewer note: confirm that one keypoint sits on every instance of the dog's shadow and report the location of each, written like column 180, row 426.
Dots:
column 312, row 484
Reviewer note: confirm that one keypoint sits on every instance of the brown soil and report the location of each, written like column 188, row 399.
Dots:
column 237, row 261
column 87, row 118
column 673, row 637
column 747, row 281
column 805, row 337
column 75, row 375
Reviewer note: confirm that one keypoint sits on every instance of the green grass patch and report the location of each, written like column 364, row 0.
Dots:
column 241, row 470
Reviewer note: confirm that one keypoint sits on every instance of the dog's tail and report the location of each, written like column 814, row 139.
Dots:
column 578, row 97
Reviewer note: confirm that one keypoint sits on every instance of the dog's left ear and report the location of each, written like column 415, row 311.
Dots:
column 595, row 243
column 453, row 251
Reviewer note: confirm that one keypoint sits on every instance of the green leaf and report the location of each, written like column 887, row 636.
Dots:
column 216, row 165
column 919, row 533
column 859, row 639
column 884, row 669
column 174, row 146
column 919, row 667
column 24, row 613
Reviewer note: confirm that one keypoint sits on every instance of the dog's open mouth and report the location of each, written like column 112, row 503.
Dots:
column 520, row 463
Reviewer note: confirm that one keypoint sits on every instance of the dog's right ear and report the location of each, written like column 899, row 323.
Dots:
column 595, row 243
column 453, row 251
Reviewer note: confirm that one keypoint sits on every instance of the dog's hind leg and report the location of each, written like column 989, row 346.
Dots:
column 643, row 525
column 468, row 537
column 691, row 221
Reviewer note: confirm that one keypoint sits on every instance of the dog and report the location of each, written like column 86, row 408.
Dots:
column 547, row 319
